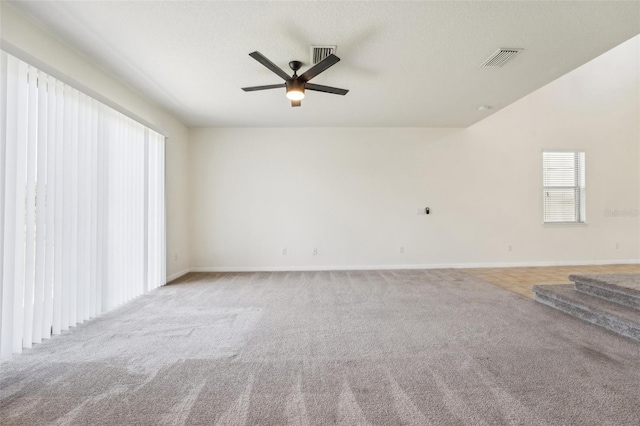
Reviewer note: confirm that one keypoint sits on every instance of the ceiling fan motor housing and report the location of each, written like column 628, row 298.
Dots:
column 295, row 85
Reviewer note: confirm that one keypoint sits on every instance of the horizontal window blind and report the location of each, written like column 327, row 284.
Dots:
column 563, row 175
column 81, row 207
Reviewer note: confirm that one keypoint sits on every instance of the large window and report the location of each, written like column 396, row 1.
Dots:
column 563, row 175
column 81, row 207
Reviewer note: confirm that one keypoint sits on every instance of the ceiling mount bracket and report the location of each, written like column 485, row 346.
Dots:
column 295, row 65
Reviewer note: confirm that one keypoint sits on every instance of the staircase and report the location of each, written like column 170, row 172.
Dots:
column 611, row 301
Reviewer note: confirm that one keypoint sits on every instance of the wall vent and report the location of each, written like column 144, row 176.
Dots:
column 318, row 53
column 501, row 57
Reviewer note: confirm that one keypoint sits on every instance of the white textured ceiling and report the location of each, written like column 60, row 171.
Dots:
column 405, row 63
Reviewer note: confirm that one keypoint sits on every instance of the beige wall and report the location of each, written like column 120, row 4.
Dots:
column 354, row 193
column 45, row 48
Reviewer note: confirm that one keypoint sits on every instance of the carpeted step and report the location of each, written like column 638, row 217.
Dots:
column 612, row 316
column 623, row 289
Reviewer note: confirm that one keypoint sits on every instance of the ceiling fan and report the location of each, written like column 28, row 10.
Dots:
column 297, row 84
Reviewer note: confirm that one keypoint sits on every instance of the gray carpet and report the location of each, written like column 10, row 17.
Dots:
column 308, row 348
column 623, row 289
column 619, row 282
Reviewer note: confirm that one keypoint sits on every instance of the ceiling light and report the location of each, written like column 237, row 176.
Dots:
column 295, row 89
column 295, row 94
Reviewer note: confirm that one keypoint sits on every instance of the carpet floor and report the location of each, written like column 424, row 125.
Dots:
column 433, row 347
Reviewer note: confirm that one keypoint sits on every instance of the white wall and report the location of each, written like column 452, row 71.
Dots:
column 354, row 193
column 236, row 197
column 45, row 47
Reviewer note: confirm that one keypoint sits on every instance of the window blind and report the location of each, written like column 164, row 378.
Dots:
column 563, row 187
column 82, row 219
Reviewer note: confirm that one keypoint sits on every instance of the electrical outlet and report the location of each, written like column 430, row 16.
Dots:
column 617, row 246
column 315, row 251
column 284, row 251
column 175, row 257
column 401, row 250
column 509, row 248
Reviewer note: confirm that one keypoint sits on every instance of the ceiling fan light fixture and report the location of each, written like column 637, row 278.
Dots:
column 295, row 94
column 295, row 90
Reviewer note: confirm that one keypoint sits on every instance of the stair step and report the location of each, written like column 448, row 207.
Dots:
column 623, row 289
column 619, row 319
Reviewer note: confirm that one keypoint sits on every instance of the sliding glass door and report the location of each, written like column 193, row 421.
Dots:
column 81, row 207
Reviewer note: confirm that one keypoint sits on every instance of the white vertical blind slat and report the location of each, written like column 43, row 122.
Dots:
column 146, row 214
column 66, row 253
column 155, row 169
column 10, row 147
column 153, row 243
column 119, row 223
column 20, row 207
column 86, row 199
column 73, row 211
column 59, row 204
column 118, row 193
column 93, row 207
column 41, row 199
column 112, row 225
column 138, row 196
column 81, row 209
column 30, row 206
column 50, row 206
column 162, row 252
column 103, row 209
column 3, row 145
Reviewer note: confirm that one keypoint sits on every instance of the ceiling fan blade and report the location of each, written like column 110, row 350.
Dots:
column 296, row 103
column 319, row 67
column 267, row 63
column 267, row 87
column 326, row 89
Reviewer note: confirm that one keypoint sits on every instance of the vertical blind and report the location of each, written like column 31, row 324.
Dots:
column 563, row 175
column 81, row 207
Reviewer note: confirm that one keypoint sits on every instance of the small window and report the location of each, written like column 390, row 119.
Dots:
column 563, row 175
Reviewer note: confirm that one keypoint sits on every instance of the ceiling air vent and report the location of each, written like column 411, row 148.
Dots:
column 501, row 57
column 318, row 53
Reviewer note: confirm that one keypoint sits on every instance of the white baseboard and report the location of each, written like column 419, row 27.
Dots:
column 421, row 266
column 178, row 274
